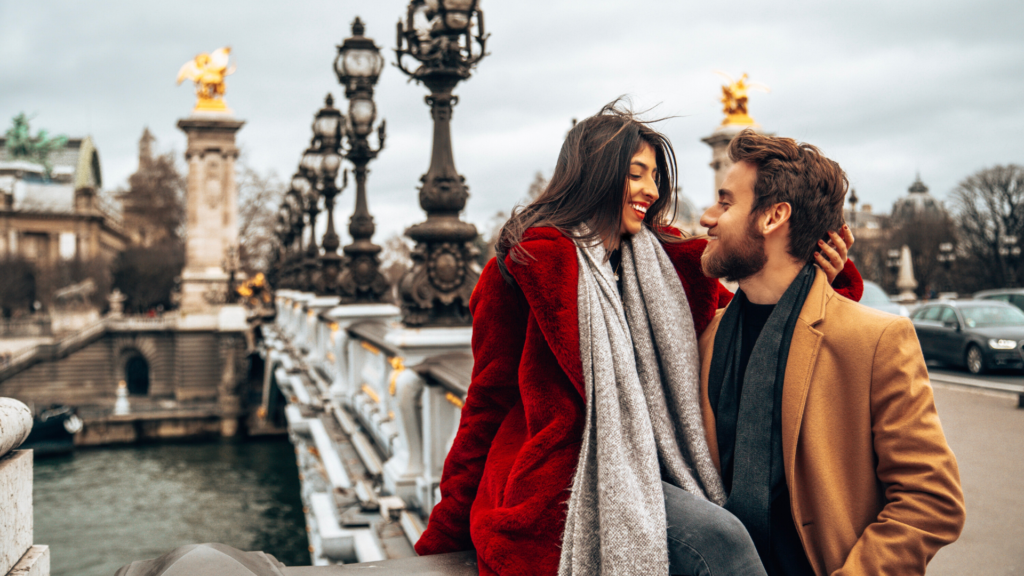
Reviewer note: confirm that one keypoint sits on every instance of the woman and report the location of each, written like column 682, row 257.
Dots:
column 584, row 388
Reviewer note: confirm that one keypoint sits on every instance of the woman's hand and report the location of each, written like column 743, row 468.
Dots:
column 832, row 255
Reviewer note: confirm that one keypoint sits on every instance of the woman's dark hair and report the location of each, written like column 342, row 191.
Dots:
column 589, row 184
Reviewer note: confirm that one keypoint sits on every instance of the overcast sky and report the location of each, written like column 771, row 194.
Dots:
column 885, row 88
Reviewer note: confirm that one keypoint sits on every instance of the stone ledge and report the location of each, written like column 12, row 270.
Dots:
column 15, row 424
column 15, row 507
column 454, row 564
column 35, row 562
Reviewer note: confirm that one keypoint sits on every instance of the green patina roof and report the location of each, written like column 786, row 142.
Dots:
column 79, row 154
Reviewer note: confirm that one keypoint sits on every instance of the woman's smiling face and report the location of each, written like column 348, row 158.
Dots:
column 641, row 189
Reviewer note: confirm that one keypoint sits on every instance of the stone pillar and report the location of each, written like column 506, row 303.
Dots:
column 211, row 208
column 719, row 141
column 17, row 554
column 906, row 283
column 228, row 400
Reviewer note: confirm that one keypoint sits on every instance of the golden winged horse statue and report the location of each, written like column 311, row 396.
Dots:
column 208, row 72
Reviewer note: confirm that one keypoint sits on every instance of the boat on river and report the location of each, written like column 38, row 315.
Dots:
column 53, row 431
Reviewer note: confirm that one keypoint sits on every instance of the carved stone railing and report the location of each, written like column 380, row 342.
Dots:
column 378, row 399
column 17, row 553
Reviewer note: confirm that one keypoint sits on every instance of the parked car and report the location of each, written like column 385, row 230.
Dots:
column 875, row 297
column 1014, row 296
column 977, row 334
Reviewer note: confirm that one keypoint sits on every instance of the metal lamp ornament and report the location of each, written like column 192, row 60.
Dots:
column 358, row 65
column 327, row 129
column 306, row 185
column 279, row 257
column 296, row 212
column 441, row 36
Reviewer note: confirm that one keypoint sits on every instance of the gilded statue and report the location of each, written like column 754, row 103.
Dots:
column 208, row 72
column 734, row 100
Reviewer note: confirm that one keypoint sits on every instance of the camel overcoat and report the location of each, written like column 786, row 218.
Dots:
column 874, row 487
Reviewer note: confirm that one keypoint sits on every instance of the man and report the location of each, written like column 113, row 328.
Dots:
column 818, row 410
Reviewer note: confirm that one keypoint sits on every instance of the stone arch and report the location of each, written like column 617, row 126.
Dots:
column 133, row 362
column 136, row 371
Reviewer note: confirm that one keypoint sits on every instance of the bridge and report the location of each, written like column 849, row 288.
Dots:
column 372, row 409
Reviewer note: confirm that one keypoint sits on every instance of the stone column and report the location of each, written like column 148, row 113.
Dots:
column 17, row 553
column 211, row 207
column 906, row 283
column 719, row 141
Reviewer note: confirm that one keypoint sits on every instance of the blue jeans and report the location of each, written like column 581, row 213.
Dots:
column 705, row 539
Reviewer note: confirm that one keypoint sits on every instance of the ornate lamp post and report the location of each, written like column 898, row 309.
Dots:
column 305, row 184
column 853, row 208
column 893, row 263
column 327, row 130
column 358, row 66
column 282, row 231
column 293, row 267
column 946, row 257
column 439, row 35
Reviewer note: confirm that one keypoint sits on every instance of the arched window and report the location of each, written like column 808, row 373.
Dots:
column 136, row 372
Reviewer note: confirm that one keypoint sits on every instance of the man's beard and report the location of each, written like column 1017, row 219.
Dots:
column 735, row 263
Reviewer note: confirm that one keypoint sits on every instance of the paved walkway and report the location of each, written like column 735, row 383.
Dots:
column 986, row 431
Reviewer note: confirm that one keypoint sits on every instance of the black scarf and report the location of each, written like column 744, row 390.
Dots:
column 755, row 428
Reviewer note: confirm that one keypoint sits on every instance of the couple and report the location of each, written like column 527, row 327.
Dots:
column 629, row 415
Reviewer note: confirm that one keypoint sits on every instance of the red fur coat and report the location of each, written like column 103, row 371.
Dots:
column 506, row 480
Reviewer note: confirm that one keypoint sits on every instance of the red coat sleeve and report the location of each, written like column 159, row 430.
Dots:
column 849, row 283
column 498, row 335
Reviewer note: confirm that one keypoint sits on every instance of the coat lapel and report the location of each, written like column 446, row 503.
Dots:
column 803, row 352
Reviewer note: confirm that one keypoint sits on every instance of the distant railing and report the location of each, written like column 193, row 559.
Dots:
column 397, row 402
column 141, row 322
column 32, row 327
column 74, row 339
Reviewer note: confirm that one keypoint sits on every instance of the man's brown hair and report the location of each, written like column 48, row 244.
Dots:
column 814, row 186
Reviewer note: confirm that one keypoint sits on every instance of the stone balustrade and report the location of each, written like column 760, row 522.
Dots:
column 377, row 405
column 17, row 553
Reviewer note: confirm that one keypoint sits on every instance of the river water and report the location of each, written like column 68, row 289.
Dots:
column 100, row 509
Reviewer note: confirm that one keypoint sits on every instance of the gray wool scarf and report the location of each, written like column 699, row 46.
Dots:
column 641, row 371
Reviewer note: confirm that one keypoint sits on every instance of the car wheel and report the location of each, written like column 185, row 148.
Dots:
column 975, row 360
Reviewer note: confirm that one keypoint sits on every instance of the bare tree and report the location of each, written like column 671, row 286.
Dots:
column 17, row 286
column 154, row 207
column 537, row 187
column 923, row 234
column 395, row 260
column 259, row 196
column 146, row 275
column 154, row 216
column 989, row 206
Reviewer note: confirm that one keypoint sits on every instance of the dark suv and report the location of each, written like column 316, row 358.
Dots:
column 1014, row 296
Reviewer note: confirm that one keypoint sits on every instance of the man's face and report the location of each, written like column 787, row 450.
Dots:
column 735, row 247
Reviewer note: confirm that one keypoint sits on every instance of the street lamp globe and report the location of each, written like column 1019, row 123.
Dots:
column 362, row 112
column 309, row 165
column 455, row 15
column 359, row 60
column 294, row 197
column 327, row 126
column 330, row 165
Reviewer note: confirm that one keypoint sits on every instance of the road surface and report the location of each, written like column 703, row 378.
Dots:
column 986, row 432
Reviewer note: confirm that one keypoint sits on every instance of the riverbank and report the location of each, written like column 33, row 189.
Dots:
column 102, row 508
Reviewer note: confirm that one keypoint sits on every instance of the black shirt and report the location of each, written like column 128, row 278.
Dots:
column 786, row 556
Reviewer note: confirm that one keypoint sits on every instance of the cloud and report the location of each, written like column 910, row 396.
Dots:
column 885, row 88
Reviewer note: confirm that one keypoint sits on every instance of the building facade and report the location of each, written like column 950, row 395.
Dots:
column 63, row 216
